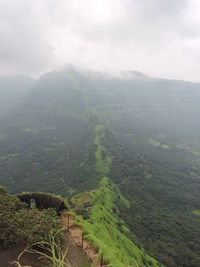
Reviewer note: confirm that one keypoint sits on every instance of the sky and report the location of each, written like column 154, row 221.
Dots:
column 158, row 37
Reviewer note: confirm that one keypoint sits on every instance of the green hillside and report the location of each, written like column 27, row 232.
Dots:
column 13, row 90
column 102, row 225
column 88, row 135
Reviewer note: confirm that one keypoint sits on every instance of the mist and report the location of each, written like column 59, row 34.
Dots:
column 155, row 37
column 99, row 112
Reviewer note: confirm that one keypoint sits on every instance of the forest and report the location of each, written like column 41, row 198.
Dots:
column 73, row 128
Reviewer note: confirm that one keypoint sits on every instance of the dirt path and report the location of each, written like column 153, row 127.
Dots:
column 10, row 254
column 80, row 252
column 75, row 254
column 76, row 234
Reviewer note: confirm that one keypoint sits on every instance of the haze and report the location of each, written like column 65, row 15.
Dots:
column 161, row 38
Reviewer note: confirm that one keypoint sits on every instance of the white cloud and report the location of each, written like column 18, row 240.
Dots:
column 161, row 38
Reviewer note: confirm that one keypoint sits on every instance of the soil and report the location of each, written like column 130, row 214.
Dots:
column 76, row 235
column 10, row 254
column 75, row 255
column 80, row 252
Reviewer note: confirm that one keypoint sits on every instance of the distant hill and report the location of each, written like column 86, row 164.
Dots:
column 75, row 128
column 13, row 89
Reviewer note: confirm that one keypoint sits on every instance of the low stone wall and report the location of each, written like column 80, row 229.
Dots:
column 43, row 200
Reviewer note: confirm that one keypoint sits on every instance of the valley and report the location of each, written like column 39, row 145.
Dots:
column 125, row 153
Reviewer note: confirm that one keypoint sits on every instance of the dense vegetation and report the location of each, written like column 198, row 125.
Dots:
column 75, row 129
column 104, row 229
column 158, row 171
column 46, row 145
column 19, row 225
column 13, row 90
column 101, row 221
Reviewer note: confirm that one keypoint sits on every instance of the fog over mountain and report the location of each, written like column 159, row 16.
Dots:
column 160, row 38
column 13, row 90
column 100, row 133
column 74, row 133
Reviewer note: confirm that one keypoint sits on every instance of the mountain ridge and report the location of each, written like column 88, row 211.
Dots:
column 144, row 137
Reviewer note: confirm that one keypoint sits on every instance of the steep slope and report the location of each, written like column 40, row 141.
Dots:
column 47, row 142
column 13, row 89
column 153, row 138
column 75, row 129
column 102, row 225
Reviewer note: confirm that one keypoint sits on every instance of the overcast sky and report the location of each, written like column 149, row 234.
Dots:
column 158, row 37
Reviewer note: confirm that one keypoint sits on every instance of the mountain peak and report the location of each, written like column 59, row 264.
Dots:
column 133, row 74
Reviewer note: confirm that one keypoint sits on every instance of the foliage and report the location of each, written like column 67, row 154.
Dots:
column 50, row 251
column 143, row 134
column 103, row 160
column 50, row 254
column 108, row 232
column 163, row 196
column 18, row 224
column 103, row 227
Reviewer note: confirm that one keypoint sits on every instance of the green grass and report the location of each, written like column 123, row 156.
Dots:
column 104, row 229
column 166, row 147
column 50, row 251
column 103, row 159
column 81, row 199
column 196, row 212
column 154, row 142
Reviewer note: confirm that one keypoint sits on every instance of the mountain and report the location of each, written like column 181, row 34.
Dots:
column 82, row 135
column 13, row 89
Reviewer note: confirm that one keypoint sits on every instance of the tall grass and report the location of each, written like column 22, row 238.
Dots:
column 17, row 262
column 49, row 251
column 52, row 253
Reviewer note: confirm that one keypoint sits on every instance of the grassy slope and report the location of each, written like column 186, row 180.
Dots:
column 104, row 228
